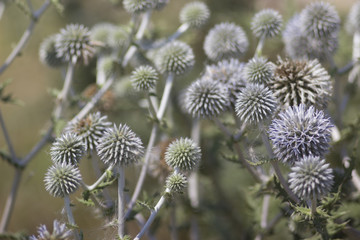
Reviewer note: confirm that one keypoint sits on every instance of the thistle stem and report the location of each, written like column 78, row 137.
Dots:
column 70, row 215
column 165, row 97
column 258, row 51
column 313, row 206
column 100, row 179
column 121, row 201
column 180, row 31
column 8, row 140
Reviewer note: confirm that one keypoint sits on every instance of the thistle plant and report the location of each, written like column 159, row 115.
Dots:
column 195, row 14
column 144, row 78
column 68, row 148
column 259, row 70
column 48, row 54
column 60, row 232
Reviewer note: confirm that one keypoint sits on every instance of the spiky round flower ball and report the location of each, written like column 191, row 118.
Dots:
column 101, row 31
column 60, row 232
column 225, row 40
column 306, row 82
column 176, row 57
column 90, row 129
column 144, row 78
column 255, row 103
column 176, row 183
column 160, row 4
column 62, row 179
column 68, row 148
column 137, row 6
column 267, row 23
column 119, row 38
column 311, row 178
column 319, row 20
column 48, row 53
column 259, row 70
column 353, row 19
column 195, row 14
column 120, row 145
column 183, row 154
column 300, row 131
column 73, row 44
column 206, row 98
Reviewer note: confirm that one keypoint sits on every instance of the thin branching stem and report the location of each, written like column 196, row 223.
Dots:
column 8, row 140
column 121, row 201
column 70, row 216
column 180, row 31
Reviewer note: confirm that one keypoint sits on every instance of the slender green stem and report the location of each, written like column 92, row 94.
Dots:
column 8, row 141
column 313, row 206
column 258, row 51
column 70, row 216
column 121, row 201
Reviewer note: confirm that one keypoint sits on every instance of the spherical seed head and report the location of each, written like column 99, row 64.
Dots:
column 255, row 103
column 311, row 178
column 144, row 78
column 90, row 129
column 195, row 14
column 68, row 148
column 298, row 45
column 176, row 57
column 267, row 23
column 299, row 132
column 183, row 154
column 306, row 82
column 225, row 40
column 176, row 183
column 120, row 145
column 319, row 20
column 206, row 98
column 73, row 44
column 137, row 6
column 48, row 53
column 62, row 179
column 259, row 70
column 353, row 19
column 60, row 232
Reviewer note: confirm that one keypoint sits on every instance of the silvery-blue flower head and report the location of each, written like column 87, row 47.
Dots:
column 225, row 40
column 120, row 145
column 60, row 232
column 311, row 178
column 300, row 131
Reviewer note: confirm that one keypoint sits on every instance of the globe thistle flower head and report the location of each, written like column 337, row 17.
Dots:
column 48, row 54
column 119, row 38
column 300, row 131
column 160, row 4
column 267, row 23
column 90, row 129
column 206, row 98
column 353, row 19
column 225, row 40
column 195, row 14
column 176, row 57
column 137, row 6
column 73, row 44
column 183, row 154
column 60, row 232
column 62, row 179
column 68, row 148
column 297, row 82
column 311, row 178
column 144, row 78
column 319, row 20
column 176, row 183
column 100, row 33
column 120, row 145
column 259, row 70
column 255, row 103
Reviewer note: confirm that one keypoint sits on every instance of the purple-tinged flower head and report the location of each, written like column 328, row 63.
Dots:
column 195, row 14
column 305, row 82
column 137, row 6
column 206, row 98
column 176, row 183
column 90, row 129
column 225, row 40
column 120, row 145
column 298, row 45
column 259, row 70
column 266, row 23
column 300, row 131
column 48, row 54
column 255, row 103
column 311, row 178
column 319, row 20
column 60, row 232
column 183, row 154
column 176, row 57
column 62, row 179
column 68, row 148
column 353, row 19
column 73, row 44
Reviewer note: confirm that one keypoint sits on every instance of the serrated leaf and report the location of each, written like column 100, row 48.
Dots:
column 145, row 205
column 88, row 202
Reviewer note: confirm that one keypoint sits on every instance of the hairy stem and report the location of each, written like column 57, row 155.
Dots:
column 121, row 201
column 70, row 215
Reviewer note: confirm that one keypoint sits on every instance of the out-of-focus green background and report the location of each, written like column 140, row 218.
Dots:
column 31, row 82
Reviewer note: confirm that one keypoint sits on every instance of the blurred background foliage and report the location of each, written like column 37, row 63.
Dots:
column 227, row 210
